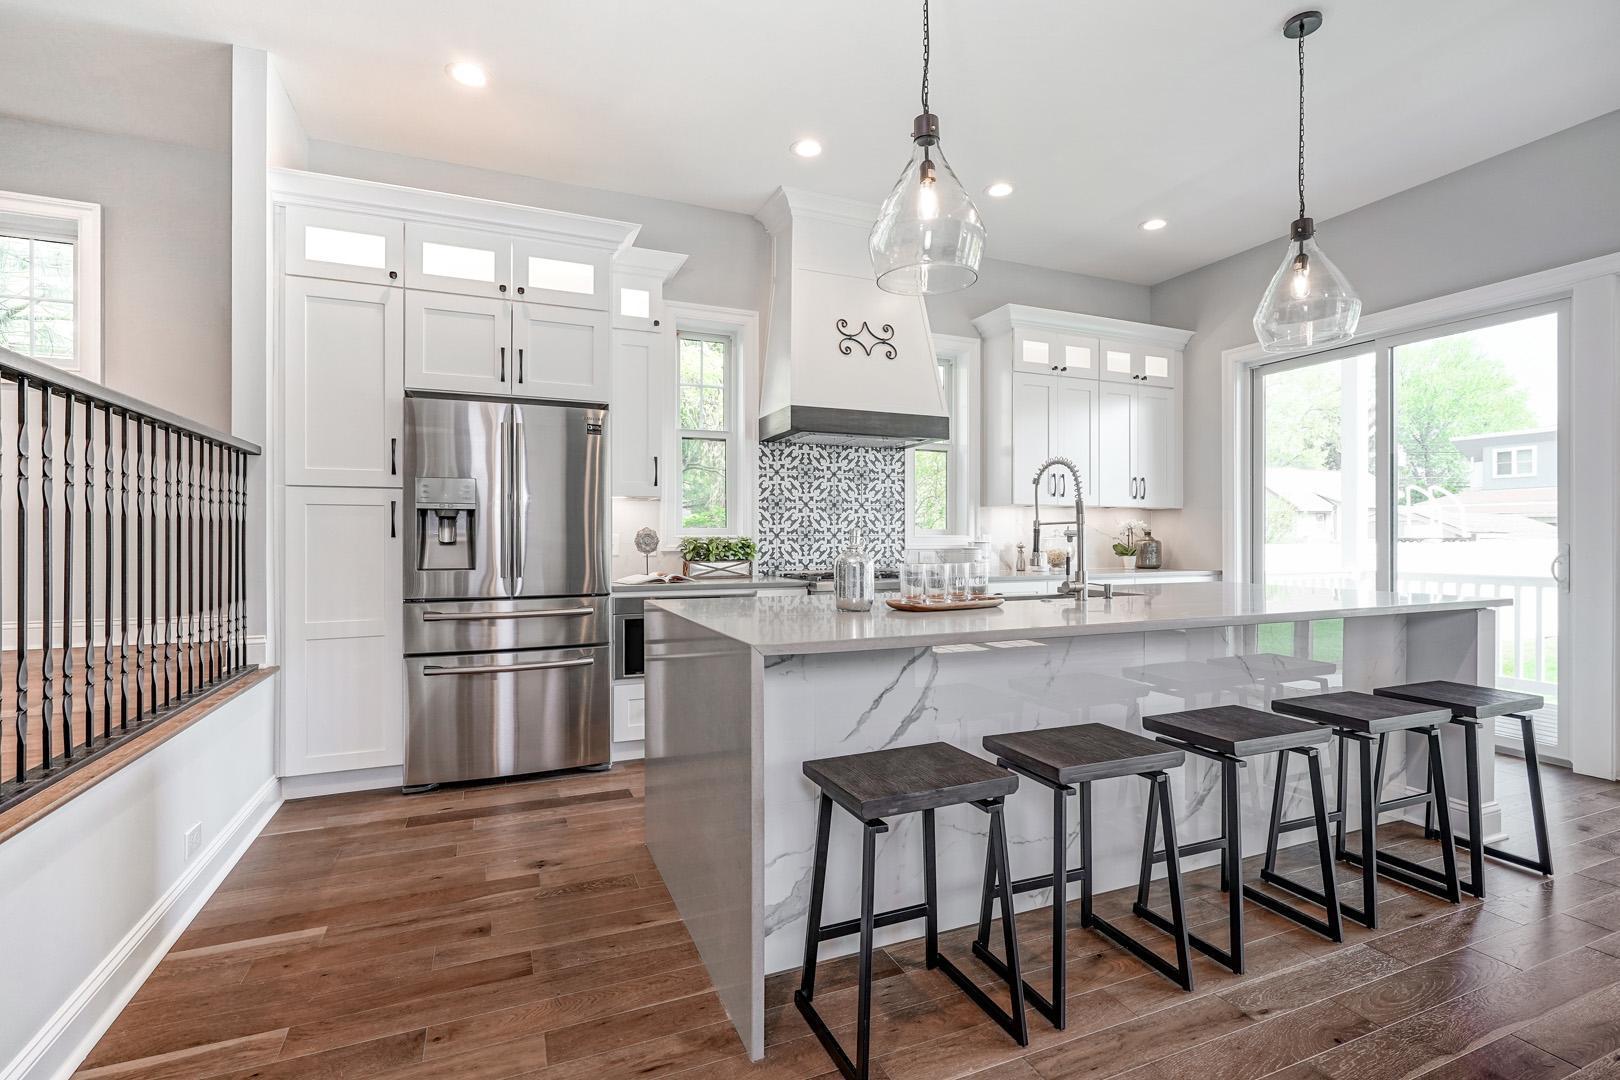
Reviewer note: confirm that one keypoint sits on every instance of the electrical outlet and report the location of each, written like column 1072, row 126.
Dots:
column 193, row 841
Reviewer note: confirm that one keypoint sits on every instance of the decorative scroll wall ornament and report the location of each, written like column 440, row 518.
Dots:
column 885, row 340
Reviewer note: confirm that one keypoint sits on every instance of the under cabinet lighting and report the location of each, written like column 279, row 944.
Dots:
column 467, row 73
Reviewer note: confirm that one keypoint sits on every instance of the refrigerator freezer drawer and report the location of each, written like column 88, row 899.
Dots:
column 456, row 626
column 476, row 716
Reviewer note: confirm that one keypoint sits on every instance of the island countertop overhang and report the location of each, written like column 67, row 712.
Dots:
column 793, row 624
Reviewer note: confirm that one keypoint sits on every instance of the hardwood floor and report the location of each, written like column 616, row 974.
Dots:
column 521, row 930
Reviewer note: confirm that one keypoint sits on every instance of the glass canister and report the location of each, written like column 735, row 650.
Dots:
column 854, row 585
column 1149, row 552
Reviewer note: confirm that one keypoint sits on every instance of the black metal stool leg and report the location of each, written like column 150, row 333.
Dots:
column 1476, row 813
column 1232, row 860
column 863, row 1015
column 1538, row 811
column 1396, row 867
column 1368, row 915
column 818, row 886
column 1328, row 896
column 1342, row 786
column 1441, row 809
column 1279, row 792
column 930, row 894
column 1542, row 863
column 1010, row 970
column 1324, row 847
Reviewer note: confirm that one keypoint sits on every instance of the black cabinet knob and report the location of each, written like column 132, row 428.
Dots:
column 520, row 290
column 503, row 288
column 392, row 274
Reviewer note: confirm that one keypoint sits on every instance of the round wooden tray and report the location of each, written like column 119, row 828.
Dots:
column 955, row 605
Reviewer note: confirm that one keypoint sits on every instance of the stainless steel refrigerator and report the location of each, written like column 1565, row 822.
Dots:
column 507, row 618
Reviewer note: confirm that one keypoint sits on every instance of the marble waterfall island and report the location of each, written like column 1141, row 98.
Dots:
column 742, row 690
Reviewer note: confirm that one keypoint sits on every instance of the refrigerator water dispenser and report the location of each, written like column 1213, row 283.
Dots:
column 446, row 523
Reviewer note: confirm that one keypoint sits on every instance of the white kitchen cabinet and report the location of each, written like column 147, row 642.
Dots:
column 344, row 246
column 1143, row 364
column 1055, row 418
column 643, row 362
column 457, row 343
column 559, row 352
column 1054, row 352
column 639, row 276
column 343, row 368
column 1139, row 447
column 452, row 259
column 629, row 711
column 546, row 272
column 343, row 672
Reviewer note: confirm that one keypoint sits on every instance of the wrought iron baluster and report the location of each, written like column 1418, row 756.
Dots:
column 155, row 648
column 107, row 580
column 194, row 567
column 240, row 465
column 140, row 567
column 182, row 578
column 47, row 632
column 123, row 571
column 168, row 566
column 89, row 573
column 67, row 576
column 210, row 565
column 21, row 696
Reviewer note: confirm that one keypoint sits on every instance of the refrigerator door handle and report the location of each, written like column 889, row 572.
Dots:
column 483, row 616
column 520, row 503
column 497, row 669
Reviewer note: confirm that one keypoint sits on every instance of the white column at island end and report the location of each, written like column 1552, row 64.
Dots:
column 742, row 690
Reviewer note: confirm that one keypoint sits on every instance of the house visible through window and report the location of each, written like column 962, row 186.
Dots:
column 50, row 261
column 1514, row 461
column 707, row 433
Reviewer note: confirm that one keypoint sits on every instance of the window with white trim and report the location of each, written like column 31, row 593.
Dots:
column 707, row 433
column 1512, row 462
column 941, row 494
column 50, row 302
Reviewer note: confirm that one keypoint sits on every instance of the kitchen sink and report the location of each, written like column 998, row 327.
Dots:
column 1096, row 594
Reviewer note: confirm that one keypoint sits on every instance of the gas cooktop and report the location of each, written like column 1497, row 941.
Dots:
column 826, row 575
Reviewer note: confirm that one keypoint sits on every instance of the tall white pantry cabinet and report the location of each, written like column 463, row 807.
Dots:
column 1104, row 393
column 383, row 290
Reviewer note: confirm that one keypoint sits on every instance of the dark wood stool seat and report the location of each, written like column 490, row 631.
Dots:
column 1081, row 753
column 1368, row 720
column 1469, row 705
column 904, row 780
column 1230, row 734
column 1067, row 760
column 907, row 779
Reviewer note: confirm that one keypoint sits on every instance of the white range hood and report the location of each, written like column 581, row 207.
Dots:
column 845, row 362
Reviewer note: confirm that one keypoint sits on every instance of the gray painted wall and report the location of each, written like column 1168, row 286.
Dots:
column 729, row 254
column 1545, row 204
column 166, row 254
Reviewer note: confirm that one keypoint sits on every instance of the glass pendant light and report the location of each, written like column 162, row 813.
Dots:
column 928, row 237
column 1309, row 303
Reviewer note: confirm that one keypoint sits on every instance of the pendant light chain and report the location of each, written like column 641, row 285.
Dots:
column 925, row 58
column 1302, row 125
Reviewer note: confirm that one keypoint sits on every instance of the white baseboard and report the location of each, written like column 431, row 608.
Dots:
column 629, row 751
column 58, row 1048
column 337, row 783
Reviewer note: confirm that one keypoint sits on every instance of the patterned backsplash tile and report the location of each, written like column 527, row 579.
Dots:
column 811, row 496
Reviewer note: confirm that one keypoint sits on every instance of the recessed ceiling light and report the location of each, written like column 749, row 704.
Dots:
column 999, row 190
column 807, row 148
column 468, row 73
column 1154, row 224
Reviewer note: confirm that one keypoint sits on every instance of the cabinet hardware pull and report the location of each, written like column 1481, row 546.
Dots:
column 503, row 363
column 479, row 616
column 501, row 669
column 1065, row 367
column 520, row 290
column 503, row 288
column 655, row 470
column 393, row 457
column 393, row 275
column 393, row 519
column 520, row 367
column 1144, row 487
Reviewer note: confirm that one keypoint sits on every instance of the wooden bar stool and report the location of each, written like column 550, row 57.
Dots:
column 1469, row 705
column 1231, row 734
column 1367, row 720
column 886, row 783
column 1067, row 760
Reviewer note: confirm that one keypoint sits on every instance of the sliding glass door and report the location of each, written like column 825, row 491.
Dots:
column 1428, row 463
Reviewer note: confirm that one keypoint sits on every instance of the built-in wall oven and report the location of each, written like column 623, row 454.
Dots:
column 629, row 617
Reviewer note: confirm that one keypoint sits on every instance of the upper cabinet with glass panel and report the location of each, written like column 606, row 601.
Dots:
column 344, row 247
column 1036, row 349
column 639, row 275
column 552, row 273
column 446, row 258
column 1134, row 362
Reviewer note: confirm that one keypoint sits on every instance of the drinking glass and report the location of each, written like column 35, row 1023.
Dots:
column 979, row 577
column 956, row 581
column 914, row 583
column 936, row 583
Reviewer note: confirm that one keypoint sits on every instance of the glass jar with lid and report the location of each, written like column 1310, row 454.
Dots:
column 854, row 580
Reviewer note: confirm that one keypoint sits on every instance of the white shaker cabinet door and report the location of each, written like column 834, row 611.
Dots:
column 1156, row 441
column 446, row 258
column 457, row 343
column 1074, row 432
column 1116, row 478
column 642, row 362
column 560, row 352
column 344, row 382
column 1033, row 405
column 343, row 700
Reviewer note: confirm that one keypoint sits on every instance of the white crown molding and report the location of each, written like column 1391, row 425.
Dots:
column 786, row 204
column 1004, row 318
column 662, row 264
column 295, row 187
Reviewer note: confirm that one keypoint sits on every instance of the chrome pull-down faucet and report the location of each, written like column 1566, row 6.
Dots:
column 1077, row 583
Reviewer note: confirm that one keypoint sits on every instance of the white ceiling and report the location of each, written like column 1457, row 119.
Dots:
column 1102, row 112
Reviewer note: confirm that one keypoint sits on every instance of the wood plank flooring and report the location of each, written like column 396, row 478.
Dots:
column 521, row 931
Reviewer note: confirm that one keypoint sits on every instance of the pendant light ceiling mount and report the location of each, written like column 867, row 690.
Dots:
column 1309, row 304
column 928, row 237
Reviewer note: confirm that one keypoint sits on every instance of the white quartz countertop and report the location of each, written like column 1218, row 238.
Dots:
column 786, row 623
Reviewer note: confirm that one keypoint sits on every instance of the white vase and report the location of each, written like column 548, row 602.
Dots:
column 1128, row 562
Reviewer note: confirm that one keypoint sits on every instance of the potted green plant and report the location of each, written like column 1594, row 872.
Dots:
column 718, row 556
column 1125, row 545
